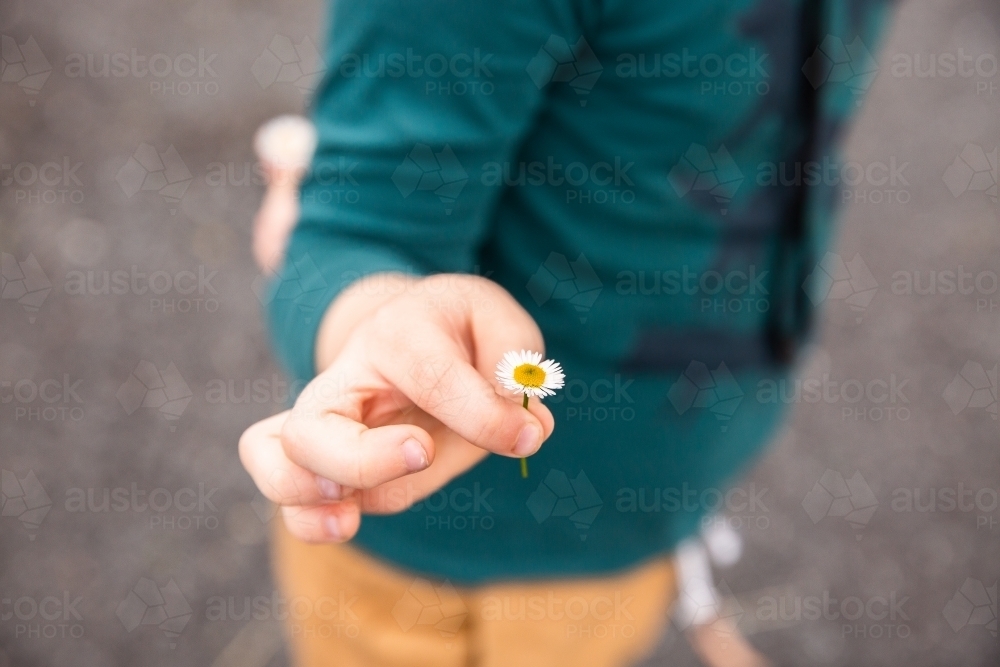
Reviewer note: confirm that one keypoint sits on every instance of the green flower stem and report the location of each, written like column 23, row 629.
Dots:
column 524, row 461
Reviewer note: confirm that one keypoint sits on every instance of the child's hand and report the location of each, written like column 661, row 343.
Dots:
column 408, row 403
column 284, row 146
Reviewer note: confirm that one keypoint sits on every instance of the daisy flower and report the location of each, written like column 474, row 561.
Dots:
column 526, row 373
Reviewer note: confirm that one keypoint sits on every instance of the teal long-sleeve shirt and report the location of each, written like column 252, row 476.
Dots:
column 627, row 171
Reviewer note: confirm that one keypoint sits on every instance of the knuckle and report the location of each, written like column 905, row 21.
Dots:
column 438, row 386
column 432, row 370
column 390, row 334
column 293, row 440
column 314, row 394
column 283, row 487
column 245, row 448
column 252, row 450
column 385, row 326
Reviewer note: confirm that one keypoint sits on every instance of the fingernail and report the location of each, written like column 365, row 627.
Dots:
column 529, row 440
column 328, row 488
column 414, row 455
column 333, row 527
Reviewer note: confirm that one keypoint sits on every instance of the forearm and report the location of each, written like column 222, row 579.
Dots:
column 365, row 206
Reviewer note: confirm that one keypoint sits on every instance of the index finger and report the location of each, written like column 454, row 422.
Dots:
column 433, row 371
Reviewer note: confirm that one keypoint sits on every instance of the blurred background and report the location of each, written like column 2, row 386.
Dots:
column 133, row 355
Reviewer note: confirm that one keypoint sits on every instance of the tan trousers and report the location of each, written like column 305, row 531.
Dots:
column 347, row 609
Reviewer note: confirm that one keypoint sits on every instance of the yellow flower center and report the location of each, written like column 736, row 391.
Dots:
column 529, row 375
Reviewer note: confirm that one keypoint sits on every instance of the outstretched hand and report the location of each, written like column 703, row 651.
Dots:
column 407, row 403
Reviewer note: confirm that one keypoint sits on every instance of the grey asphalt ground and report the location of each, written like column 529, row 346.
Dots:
column 937, row 434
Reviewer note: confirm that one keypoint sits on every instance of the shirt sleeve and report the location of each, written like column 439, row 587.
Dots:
column 417, row 96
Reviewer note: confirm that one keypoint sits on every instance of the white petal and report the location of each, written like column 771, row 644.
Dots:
column 550, row 366
column 509, row 384
column 554, row 376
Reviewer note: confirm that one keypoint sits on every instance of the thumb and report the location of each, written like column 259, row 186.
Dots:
column 499, row 324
